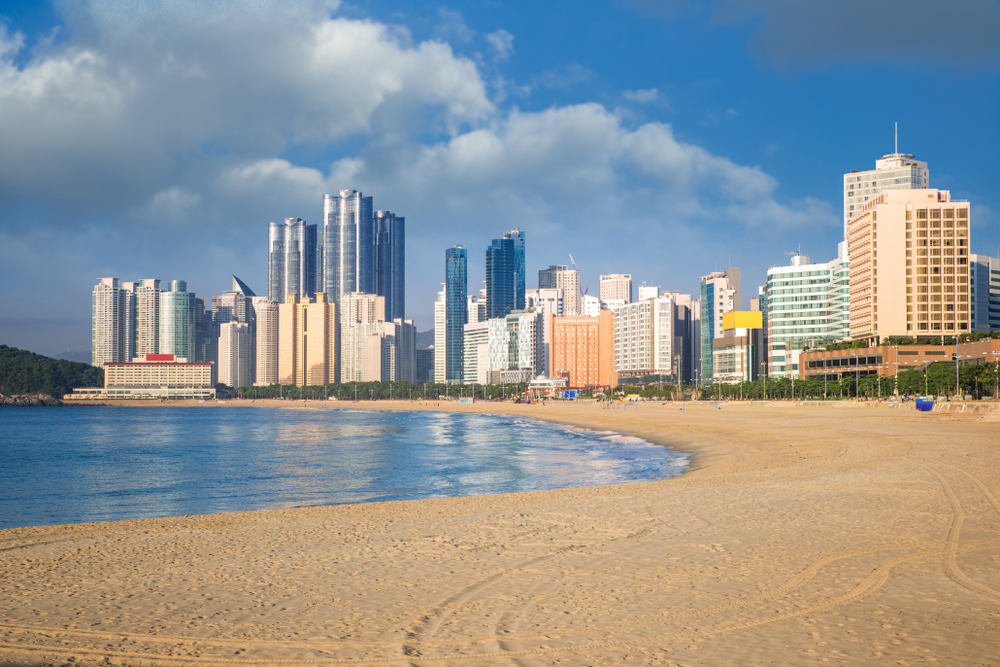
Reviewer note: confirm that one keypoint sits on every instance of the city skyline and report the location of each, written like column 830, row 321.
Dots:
column 733, row 156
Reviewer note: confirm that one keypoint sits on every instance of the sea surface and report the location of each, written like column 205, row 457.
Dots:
column 72, row 465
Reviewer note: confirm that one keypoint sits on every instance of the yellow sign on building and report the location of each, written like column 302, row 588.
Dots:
column 743, row 319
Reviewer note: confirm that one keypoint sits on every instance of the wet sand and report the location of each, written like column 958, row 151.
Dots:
column 828, row 535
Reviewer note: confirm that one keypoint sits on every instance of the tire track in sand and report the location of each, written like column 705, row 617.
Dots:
column 951, row 566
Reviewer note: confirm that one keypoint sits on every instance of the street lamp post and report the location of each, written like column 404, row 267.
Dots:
column 957, row 388
column 857, row 376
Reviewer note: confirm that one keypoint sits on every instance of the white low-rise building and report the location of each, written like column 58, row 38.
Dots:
column 153, row 376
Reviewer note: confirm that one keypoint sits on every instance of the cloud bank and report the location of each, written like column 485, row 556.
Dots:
column 187, row 127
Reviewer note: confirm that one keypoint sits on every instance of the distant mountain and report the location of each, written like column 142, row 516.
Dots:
column 425, row 339
column 80, row 357
column 23, row 372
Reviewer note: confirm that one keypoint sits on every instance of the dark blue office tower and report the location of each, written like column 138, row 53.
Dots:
column 390, row 270
column 456, row 311
column 501, row 279
column 517, row 236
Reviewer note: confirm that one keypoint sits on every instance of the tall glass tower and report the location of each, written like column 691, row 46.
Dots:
column 177, row 321
column 517, row 236
column 348, row 245
column 390, row 269
column 501, row 280
column 291, row 260
column 456, row 312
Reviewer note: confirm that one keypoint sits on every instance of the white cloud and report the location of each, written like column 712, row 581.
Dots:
column 502, row 42
column 172, row 204
column 188, row 114
column 567, row 170
column 644, row 96
column 137, row 94
column 451, row 26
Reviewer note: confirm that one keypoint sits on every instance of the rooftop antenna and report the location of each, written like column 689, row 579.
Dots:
column 897, row 136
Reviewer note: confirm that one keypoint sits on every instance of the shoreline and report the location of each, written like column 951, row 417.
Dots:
column 803, row 534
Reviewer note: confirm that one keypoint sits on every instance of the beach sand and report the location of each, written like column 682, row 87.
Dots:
column 827, row 535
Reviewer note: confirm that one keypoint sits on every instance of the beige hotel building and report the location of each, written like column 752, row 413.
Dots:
column 909, row 266
column 307, row 341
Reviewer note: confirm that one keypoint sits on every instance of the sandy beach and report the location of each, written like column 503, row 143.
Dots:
column 836, row 534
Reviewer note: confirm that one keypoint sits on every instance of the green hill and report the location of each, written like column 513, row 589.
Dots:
column 22, row 372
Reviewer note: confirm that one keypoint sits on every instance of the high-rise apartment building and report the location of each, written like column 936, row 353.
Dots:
column 236, row 305
column 390, row 266
column 235, row 348
column 616, row 288
column 549, row 303
column 720, row 294
column 348, row 245
column 307, row 341
column 361, row 337
column 456, row 312
column 909, row 266
column 178, row 321
column 294, row 265
column 424, row 365
column 896, row 171
column 112, row 323
column 440, row 336
column 559, row 276
column 147, row 316
column 399, row 364
column 205, row 348
column 984, row 292
column 266, row 343
column 584, row 349
column 648, row 343
column 805, row 306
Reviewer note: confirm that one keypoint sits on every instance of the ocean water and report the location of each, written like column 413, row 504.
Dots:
column 71, row 465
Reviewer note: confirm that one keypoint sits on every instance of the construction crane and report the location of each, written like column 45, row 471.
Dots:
column 571, row 261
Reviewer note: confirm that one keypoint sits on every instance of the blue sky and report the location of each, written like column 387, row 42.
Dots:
column 662, row 139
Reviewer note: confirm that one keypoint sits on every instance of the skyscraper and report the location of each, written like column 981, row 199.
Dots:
column 205, row 348
column 984, row 292
column 292, row 266
column 517, row 236
column 720, row 294
column 147, row 316
column 348, row 245
column 440, row 336
column 501, row 278
column 456, row 311
column 896, row 171
column 266, row 344
column 559, row 276
column 307, row 350
column 616, row 288
column 234, row 355
column 390, row 268
column 236, row 305
column 360, row 337
column 112, row 323
column 178, row 321
column 909, row 259
column 805, row 306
